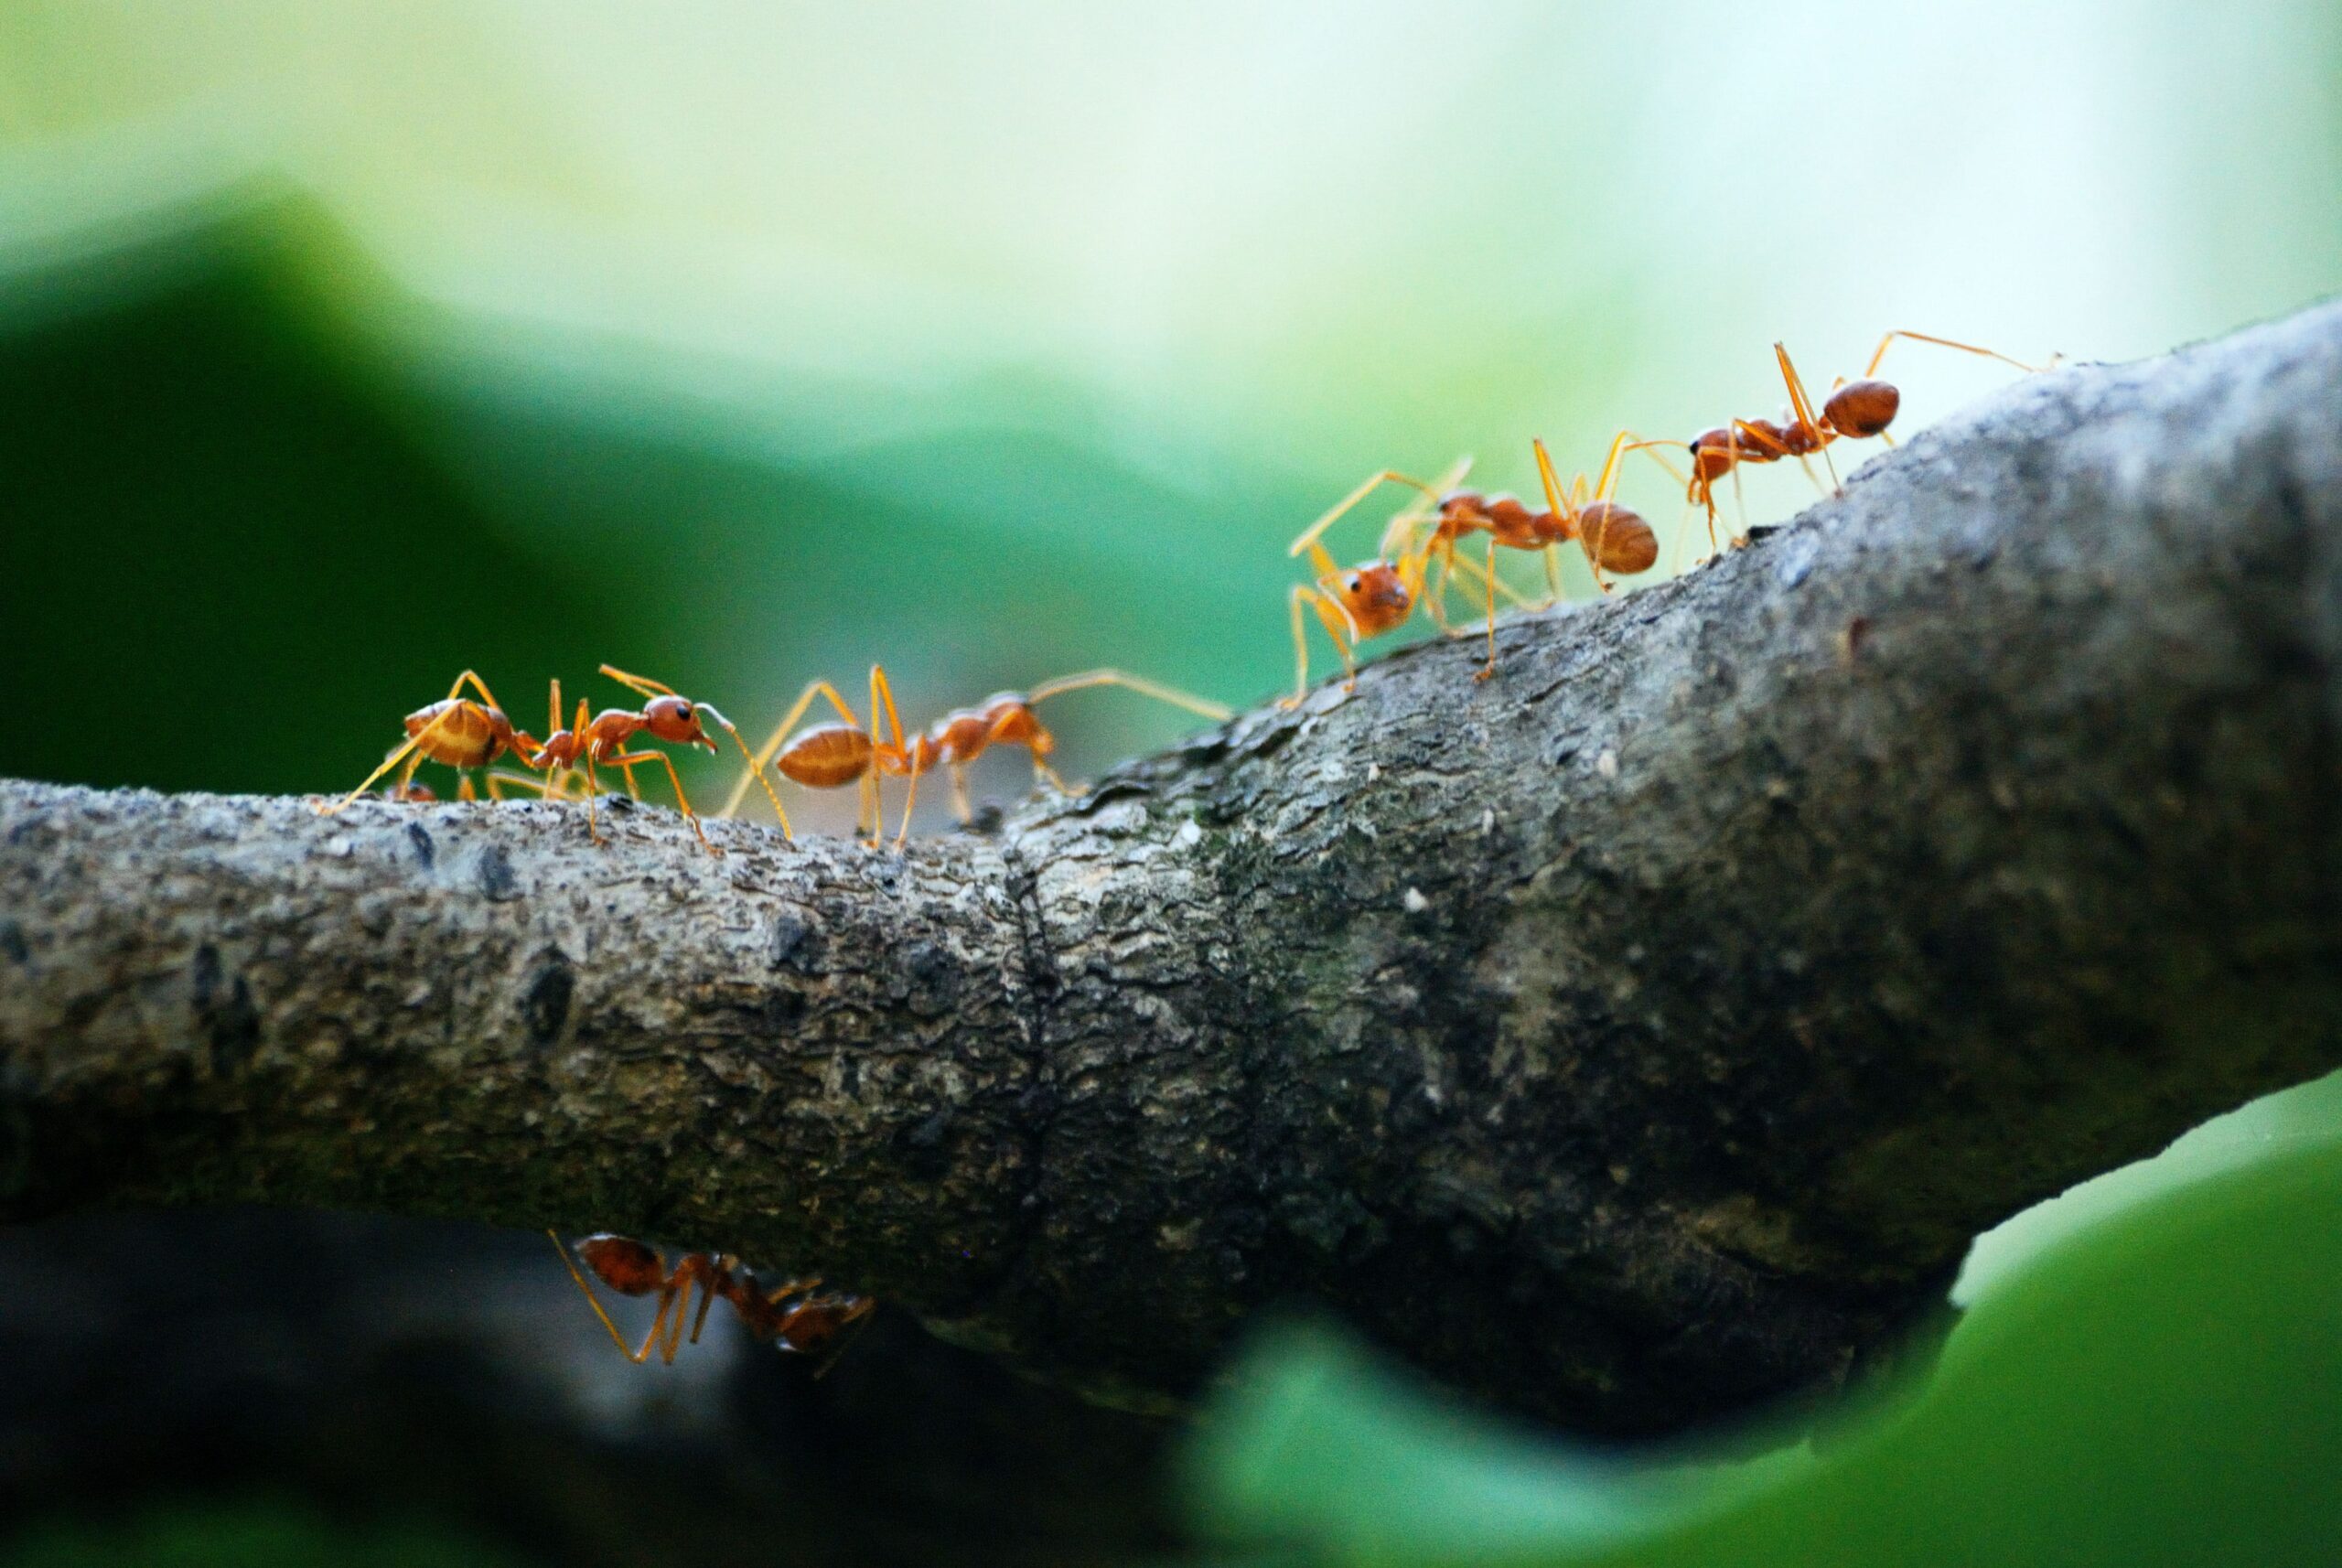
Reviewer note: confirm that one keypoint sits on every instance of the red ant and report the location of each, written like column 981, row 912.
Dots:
column 1006, row 718
column 602, row 741
column 1372, row 597
column 832, row 755
column 1614, row 537
column 1855, row 410
column 791, row 1315
column 456, row 731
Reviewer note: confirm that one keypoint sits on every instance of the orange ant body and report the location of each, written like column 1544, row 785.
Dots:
column 1855, row 410
column 1007, row 718
column 795, row 1316
column 602, row 741
column 1369, row 599
column 456, row 731
column 1614, row 536
column 832, row 756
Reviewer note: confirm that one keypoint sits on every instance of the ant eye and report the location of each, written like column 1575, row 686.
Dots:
column 683, row 710
column 1352, row 584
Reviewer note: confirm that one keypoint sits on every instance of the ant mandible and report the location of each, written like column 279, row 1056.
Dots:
column 457, row 730
column 791, row 1315
column 602, row 740
column 1855, row 410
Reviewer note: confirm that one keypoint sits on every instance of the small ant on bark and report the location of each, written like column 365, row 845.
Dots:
column 1855, row 410
column 1614, row 536
column 1007, row 718
column 602, row 740
column 1372, row 597
column 832, row 756
column 795, row 1316
column 456, row 731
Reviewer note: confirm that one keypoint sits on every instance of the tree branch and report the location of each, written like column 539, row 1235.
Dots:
column 1636, row 1034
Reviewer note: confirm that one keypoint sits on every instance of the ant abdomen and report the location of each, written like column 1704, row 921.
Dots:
column 1617, row 537
column 1863, row 408
column 827, row 756
column 626, row 1266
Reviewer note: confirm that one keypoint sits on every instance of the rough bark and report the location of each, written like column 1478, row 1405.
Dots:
column 1636, row 1034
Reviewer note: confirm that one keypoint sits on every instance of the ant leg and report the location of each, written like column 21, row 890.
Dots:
column 626, row 768
column 1889, row 341
column 1803, row 406
column 1366, row 488
column 412, row 748
column 679, row 1291
column 1565, row 506
column 637, row 1357
column 910, row 798
column 709, row 711
column 1335, row 617
column 632, row 759
column 780, row 737
column 1490, row 668
column 706, row 1300
column 1436, row 597
column 1399, row 535
column 469, row 679
column 882, row 695
column 641, row 685
column 960, row 803
column 593, row 788
column 1203, row 707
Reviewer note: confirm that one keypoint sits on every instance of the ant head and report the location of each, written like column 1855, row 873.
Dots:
column 626, row 1266
column 1375, row 590
column 676, row 719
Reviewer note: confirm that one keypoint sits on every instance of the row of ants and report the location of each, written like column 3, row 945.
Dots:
column 465, row 734
column 1379, row 596
column 1370, row 599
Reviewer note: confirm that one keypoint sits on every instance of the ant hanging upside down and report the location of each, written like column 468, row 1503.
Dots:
column 795, row 1316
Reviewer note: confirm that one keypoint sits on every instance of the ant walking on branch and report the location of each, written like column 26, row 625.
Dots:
column 456, row 731
column 832, row 756
column 1374, row 597
column 1855, row 410
column 602, row 740
column 1007, row 718
column 796, row 1315
column 1614, row 536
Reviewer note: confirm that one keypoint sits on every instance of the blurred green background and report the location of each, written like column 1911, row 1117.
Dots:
column 343, row 347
